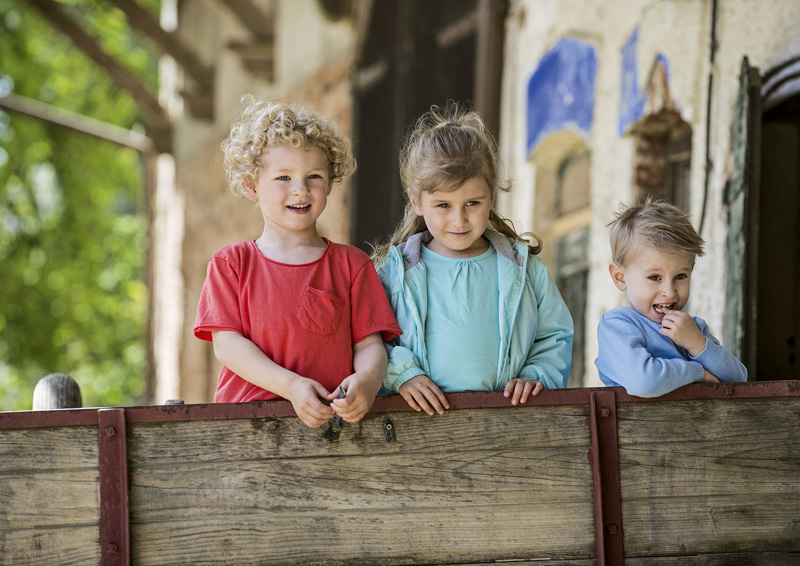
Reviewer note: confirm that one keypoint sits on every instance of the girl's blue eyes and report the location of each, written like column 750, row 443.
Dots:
column 679, row 277
column 447, row 205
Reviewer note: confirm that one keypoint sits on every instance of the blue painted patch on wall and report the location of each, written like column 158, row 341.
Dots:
column 561, row 91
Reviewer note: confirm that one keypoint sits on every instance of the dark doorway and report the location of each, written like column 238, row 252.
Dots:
column 778, row 269
column 415, row 54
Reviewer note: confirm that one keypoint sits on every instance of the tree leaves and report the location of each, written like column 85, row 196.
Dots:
column 72, row 226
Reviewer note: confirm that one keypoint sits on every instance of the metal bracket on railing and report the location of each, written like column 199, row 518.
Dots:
column 605, row 467
column 388, row 430
column 113, row 464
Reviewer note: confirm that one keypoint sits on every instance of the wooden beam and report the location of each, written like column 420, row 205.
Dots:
column 121, row 76
column 489, row 60
column 170, row 43
column 251, row 17
column 257, row 53
column 77, row 122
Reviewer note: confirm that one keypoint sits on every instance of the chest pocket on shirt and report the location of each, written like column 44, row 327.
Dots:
column 320, row 311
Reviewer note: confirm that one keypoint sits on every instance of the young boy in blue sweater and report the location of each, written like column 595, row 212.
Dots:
column 656, row 347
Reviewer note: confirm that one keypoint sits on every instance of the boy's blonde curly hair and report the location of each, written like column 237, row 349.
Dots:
column 265, row 123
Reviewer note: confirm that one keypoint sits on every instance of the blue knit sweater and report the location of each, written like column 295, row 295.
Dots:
column 634, row 354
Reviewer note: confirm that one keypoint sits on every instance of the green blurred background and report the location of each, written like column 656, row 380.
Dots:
column 72, row 226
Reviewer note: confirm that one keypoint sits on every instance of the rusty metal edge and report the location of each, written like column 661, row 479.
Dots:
column 392, row 403
column 605, row 471
column 597, row 484
column 113, row 472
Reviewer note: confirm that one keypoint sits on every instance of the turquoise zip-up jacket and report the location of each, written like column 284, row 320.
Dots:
column 535, row 327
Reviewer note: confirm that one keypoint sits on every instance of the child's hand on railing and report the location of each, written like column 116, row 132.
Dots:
column 422, row 394
column 520, row 389
column 306, row 396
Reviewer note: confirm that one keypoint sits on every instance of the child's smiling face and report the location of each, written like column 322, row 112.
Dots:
column 292, row 188
column 655, row 281
column 457, row 219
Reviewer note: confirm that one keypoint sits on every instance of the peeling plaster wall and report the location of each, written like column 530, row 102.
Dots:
column 677, row 32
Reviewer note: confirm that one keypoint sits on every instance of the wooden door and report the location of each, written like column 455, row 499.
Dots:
column 414, row 54
column 743, row 198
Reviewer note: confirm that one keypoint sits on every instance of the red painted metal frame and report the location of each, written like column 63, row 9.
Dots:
column 605, row 469
column 393, row 403
column 114, row 519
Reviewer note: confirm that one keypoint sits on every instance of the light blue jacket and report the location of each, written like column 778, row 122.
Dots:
column 535, row 325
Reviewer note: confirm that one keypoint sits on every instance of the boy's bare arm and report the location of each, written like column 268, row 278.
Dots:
column 247, row 361
column 369, row 363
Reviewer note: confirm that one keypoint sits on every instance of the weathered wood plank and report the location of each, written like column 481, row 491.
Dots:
column 708, row 419
column 419, row 536
column 537, row 562
column 765, row 559
column 249, row 439
column 710, row 476
column 718, row 467
column 49, row 499
column 364, row 482
column 39, row 449
column 73, row 546
column 712, row 524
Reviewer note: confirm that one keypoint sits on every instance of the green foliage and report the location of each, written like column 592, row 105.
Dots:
column 72, row 228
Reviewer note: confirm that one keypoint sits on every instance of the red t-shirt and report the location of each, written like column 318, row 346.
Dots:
column 305, row 318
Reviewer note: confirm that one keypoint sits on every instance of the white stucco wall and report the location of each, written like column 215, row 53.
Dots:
column 680, row 30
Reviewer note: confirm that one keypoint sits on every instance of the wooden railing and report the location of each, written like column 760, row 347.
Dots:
column 709, row 474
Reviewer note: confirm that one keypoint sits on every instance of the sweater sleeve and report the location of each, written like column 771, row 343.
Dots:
column 717, row 359
column 623, row 359
column 550, row 356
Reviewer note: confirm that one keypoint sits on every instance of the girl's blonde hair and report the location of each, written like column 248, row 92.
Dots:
column 446, row 148
column 264, row 123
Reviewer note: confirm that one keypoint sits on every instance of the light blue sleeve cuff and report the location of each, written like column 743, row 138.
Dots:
column 410, row 373
column 709, row 356
column 531, row 373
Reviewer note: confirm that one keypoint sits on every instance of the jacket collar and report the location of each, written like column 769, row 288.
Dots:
column 411, row 249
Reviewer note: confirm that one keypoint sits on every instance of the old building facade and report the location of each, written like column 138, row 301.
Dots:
column 595, row 104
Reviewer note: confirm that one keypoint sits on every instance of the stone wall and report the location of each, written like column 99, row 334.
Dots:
column 197, row 213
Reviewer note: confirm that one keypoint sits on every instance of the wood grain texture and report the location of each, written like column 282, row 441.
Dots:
column 417, row 536
column 716, row 467
column 441, row 480
column 474, row 484
column 752, row 420
column 248, row 439
column 710, row 476
column 37, row 449
column 73, row 546
column 715, row 524
column 765, row 559
column 49, row 499
column 49, row 494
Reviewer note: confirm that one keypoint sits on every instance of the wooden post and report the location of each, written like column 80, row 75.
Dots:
column 57, row 391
